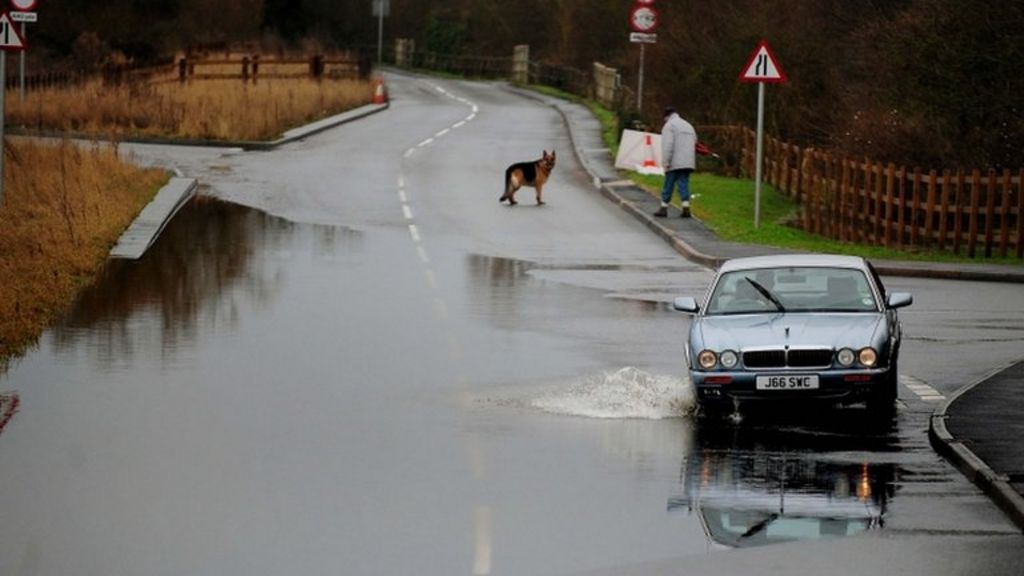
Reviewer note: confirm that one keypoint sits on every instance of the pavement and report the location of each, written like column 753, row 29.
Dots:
column 977, row 429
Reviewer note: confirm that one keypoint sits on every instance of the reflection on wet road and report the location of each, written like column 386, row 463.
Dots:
column 776, row 478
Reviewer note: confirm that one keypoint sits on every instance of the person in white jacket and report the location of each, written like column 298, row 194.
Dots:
column 679, row 157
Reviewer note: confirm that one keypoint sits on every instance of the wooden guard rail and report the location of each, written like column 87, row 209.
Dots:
column 255, row 67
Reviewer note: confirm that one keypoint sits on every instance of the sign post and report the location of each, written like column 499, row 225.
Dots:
column 643, row 19
column 9, row 40
column 22, row 11
column 381, row 8
column 762, row 68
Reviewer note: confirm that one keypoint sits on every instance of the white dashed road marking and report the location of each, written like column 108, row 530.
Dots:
column 922, row 389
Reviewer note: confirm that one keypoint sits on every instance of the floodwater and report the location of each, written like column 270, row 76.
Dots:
column 382, row 371
column 261, row 396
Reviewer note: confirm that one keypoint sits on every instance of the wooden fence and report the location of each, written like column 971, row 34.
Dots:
column 970, row 212
column 253, row 68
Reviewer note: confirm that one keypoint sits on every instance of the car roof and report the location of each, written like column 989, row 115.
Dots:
column 794, row 260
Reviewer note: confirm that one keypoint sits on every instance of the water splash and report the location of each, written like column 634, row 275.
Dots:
column 625, row 393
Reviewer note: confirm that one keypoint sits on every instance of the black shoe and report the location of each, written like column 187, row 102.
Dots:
column 662, row 212
column 685, row 213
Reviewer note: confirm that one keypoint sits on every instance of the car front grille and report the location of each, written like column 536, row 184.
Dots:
column 764, row 359
column 802, row 358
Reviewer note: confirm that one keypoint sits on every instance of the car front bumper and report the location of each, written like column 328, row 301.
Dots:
column 839, row 386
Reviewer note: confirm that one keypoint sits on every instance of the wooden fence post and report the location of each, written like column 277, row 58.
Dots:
column 832, row 196
column 865, row 212
column 807, row 190
column 255, row 68
column 785, row 168
column 182, row 70
column 844, row 195
column 1004, row 214
column 990, row 212
column 879, row 183
column 316, row 66
column 972, row 223
column 957, row 212
column 915, row 210
column 1020, row 214
column 929, row 215
column 889, row 198
column 901, row 205
column 947, row 186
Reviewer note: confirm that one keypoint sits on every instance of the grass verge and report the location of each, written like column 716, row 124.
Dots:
column 64, row 206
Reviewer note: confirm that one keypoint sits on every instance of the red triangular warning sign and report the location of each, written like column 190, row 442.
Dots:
column 762, row 66
column 10, row 39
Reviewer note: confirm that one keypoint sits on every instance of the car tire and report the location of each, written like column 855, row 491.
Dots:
column 883, row 398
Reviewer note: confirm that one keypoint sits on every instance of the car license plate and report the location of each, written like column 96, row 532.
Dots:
column 788, row 382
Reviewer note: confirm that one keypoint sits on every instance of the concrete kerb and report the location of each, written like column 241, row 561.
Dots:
column 154, row 217
column 996, row 486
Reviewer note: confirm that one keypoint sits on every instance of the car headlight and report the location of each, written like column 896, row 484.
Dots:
column 846, row 357
column 729, row 359
column 707, row 359
column 867, row 357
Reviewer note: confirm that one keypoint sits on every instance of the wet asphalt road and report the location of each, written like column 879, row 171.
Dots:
column 347, row 357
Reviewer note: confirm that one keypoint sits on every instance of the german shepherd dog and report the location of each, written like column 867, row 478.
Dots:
column 533, row 174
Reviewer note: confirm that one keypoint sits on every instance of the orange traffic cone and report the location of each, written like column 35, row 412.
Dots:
column 379, row 94
column 649, row 156
column 650, row 165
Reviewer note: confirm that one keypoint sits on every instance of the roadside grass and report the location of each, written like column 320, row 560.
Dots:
column 726, row 206
column 203, row 109
column 64, row 206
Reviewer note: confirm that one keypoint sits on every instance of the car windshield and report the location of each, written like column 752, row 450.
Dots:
column 804, row 289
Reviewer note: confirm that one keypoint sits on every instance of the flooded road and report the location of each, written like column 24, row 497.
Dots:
column 346, row 357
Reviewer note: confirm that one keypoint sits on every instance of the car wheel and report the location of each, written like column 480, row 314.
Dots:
column 883, row 398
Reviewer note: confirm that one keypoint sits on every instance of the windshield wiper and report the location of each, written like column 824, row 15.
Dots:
column 766, row 293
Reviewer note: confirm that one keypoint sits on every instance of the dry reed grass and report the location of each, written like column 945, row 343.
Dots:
column 64, row 206
column 202, row 109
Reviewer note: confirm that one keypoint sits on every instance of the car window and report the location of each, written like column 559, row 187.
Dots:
column 804, row 289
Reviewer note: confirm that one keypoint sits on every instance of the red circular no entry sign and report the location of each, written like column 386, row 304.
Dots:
column 23, row 5
column 643, row 19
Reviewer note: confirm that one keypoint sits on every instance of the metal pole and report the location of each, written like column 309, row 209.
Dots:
column 760, row 154
column 21, row 68
column 3, row 117
column 640, row 85
column 380, row 31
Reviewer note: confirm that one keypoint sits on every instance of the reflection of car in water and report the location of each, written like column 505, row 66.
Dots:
column 752, row 498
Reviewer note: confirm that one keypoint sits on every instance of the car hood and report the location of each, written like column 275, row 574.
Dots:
column 772, row 330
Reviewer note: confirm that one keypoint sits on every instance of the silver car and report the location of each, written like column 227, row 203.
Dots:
column 793, row 327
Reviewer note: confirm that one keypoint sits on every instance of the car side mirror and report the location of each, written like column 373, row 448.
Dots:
column 899, row 300
column 686, row 304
